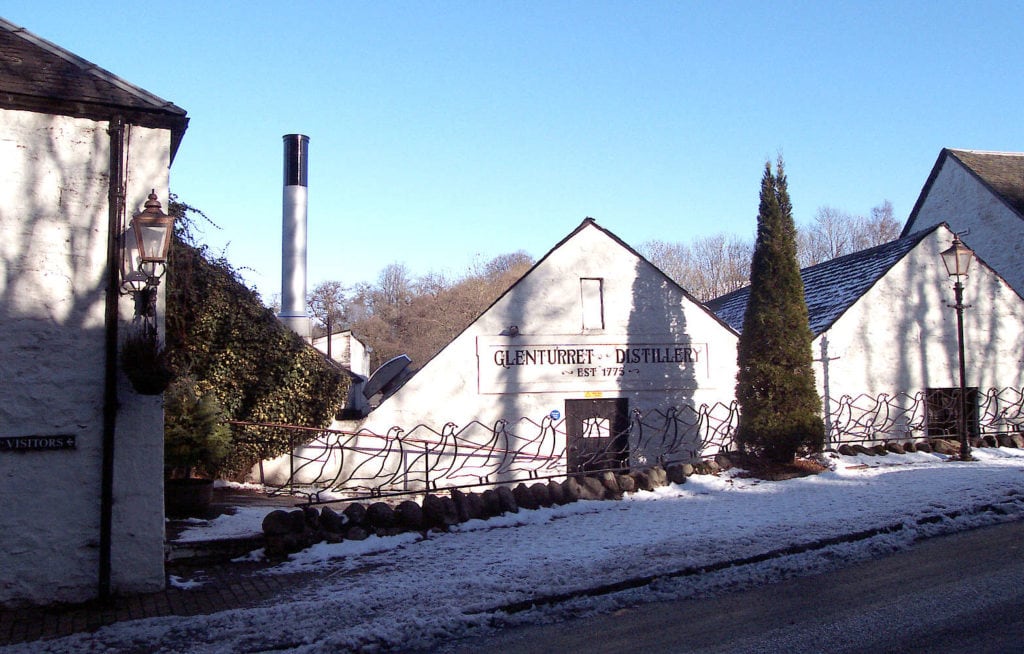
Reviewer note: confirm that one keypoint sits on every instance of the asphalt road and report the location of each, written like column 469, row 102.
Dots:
column 958, row 593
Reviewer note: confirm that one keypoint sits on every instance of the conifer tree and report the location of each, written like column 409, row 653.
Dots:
column 780, row 411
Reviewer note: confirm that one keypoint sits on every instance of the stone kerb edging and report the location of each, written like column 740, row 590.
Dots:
column 936, row 445
column 286, row 532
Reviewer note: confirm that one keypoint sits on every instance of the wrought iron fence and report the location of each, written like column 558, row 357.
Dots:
column 423, row 458
column 366, row 464
column 927, row 414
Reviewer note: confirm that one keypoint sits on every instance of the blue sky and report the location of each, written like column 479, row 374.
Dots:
column 441, row 132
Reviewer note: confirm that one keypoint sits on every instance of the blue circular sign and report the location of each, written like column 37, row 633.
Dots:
column 555, row 414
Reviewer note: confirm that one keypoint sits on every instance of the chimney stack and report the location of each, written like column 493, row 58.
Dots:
column 293, row 235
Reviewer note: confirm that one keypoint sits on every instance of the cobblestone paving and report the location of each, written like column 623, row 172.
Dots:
column 225, row 586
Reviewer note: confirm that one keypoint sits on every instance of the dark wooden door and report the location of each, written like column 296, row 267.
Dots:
column 943, row 412
column 597, row 433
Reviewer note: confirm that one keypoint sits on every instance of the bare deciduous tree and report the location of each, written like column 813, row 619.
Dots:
column 711, row 267
column 395, row 284
column 418, row 317
column 328, row 304
column 834, row 233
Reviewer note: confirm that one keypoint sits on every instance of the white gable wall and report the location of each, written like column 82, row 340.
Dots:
column 958, row 198
column 347, row 350
column 475, row 378
column 640, row 304
column 900, row 336
column 53, row 215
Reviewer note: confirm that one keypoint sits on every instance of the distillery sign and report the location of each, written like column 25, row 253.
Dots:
column 568, row 363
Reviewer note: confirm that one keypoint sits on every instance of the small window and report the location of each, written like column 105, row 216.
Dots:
column 597, row 427
column 592, row 294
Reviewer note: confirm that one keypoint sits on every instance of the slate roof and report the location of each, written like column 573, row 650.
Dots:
column 832, row 287
column 36, row 75
column 1000, row 172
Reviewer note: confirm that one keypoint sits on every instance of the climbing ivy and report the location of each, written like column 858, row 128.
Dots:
column 220, row 333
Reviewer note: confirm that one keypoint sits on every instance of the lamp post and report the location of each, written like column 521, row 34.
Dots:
column 958, row 260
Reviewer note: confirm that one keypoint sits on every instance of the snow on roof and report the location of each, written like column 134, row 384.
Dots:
column 832, row 287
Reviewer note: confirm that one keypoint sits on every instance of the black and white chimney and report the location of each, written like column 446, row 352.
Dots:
column 293, row 235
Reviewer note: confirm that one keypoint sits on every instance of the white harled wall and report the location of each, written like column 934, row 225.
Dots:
column 957, row 198
column 53, row 215
column 900, row 337
column 474, row 379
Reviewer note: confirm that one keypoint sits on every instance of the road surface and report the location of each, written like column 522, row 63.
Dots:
column 957, row 593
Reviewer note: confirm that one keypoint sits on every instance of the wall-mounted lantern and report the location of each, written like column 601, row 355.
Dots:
column 145, row 257
column 958, row 261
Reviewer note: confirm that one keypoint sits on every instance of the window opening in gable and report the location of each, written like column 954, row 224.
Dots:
column 592, row 296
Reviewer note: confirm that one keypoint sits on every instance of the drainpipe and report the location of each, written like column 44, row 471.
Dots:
column 115, row 200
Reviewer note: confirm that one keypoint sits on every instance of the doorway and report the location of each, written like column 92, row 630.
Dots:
column 943, row 412
column 597, row 434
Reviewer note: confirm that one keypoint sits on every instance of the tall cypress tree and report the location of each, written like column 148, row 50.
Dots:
column 780, row 411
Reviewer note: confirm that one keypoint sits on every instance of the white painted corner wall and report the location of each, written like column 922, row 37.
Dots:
column 54, row 216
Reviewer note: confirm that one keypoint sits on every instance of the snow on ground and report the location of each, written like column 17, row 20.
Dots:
column 409, row 592
column 245, row 521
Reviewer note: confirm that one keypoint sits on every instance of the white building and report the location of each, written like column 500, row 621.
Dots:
column 80, row 453
column 885, row 340
column 981, row 193
column 346, row 350
column 592, row 338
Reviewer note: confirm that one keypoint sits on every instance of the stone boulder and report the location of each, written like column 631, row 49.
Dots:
column 591, row 489
column 506, row 500
column 556, row 492
column 277, row 523
column 641, row 480
column 380, row 515
column 571, row 490
column 524, row 498
column 491, row 503
column 474, row 506
column 678, row 472
column 433, row 512
column 461, row 500
column 894, row 447
column 356, row 514
column 626, row 483
column 610, row 483
column 541, row 494
column 658, row 476
column 451, row 512
column 331, row 521
column 409, row 515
